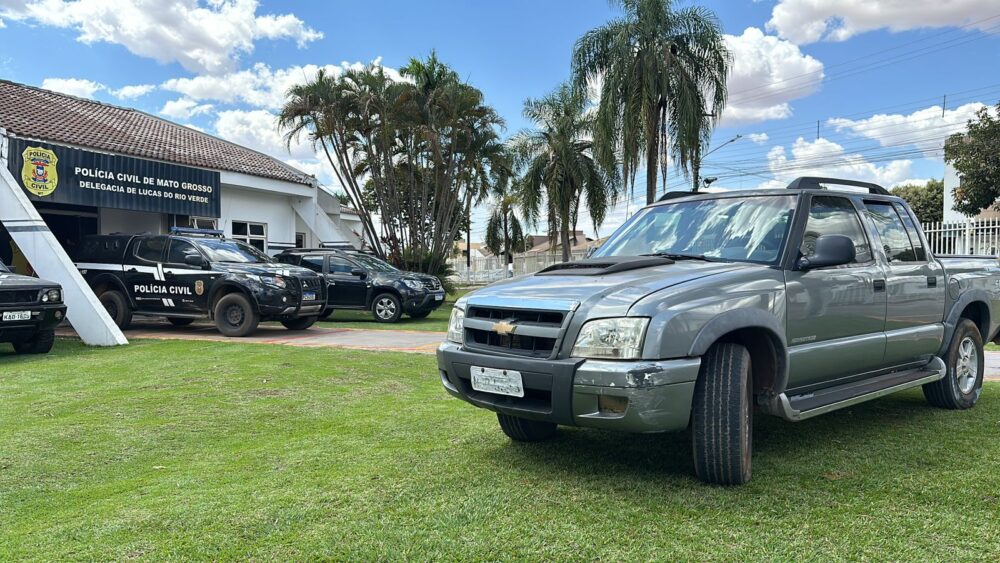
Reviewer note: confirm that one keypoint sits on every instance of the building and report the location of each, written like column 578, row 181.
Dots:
column 94, row 168
column 959, row 233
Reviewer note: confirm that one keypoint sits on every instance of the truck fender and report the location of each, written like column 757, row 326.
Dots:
column 757, row 320
column 113, row 282
column 963, row 301
column 223, row 287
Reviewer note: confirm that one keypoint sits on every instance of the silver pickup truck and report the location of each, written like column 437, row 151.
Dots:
column 703, row 308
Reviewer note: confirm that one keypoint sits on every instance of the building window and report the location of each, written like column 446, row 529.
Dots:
column 300, row 240
column 195, row 222
column 254, row 234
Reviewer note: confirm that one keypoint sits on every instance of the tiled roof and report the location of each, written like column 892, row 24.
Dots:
column 26, row 111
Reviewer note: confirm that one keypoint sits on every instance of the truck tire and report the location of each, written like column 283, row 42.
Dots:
column 180, row 321
column 235, row 316
column 41, row 343
column 117, row 307
column 963, row 383
column 722, row 416
column 300, row 323
column 386, row 308
column 326, row 314
column 419, row 314
column 524, row 430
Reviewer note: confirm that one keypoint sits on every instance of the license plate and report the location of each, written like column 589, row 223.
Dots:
column 439, row 297
column 17, row 315
column 497, row 381
column 308, row 296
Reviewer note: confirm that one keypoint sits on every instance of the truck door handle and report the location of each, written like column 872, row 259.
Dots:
column 931, row 281
column 879, row 285
column 131, row 270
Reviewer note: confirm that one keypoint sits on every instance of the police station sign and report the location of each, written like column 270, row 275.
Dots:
column 58, row 174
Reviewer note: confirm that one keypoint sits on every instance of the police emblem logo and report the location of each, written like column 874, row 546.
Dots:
column 199, row 287
column 39, row 171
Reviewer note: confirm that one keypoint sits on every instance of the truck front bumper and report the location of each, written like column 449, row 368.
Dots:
column 43, row 317
column 648, row 395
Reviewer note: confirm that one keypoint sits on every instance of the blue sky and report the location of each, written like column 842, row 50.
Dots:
column 873, row 78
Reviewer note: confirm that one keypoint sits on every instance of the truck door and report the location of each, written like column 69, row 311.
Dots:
column 187, row 283
column 144, row 273
column 835, row 315
column 915, row 286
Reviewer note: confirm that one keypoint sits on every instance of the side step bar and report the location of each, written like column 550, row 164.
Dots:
column 808, row 405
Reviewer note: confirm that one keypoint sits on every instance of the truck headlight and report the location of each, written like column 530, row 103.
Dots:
column 51, row 296
column 456, row 325
column 413, row 284
column 273, row 281
column 617, row 339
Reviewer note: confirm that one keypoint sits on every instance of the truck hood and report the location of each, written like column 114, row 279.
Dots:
column 15, row 281
column 603, row 295
column 275, row 269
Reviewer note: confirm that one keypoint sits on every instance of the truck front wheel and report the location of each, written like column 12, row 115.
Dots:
column 524, row 430
column 235, row 316
column 722, row 416
column 41, row 343
column 963, row 383
column 300, row 323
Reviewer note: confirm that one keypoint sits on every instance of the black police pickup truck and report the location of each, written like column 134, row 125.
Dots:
column 194, row 274
column 30, row 309
column 361, row 281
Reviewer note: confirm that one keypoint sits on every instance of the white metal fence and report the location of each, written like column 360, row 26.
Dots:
column 488, row 269
column 979, row 237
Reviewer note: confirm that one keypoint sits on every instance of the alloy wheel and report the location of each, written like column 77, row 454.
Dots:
column 967, row 366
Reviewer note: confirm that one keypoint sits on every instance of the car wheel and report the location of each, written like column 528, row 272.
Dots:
column 326, row 314
column 117, row 307
column 235, row 316
column 722, row 416
column 386, row 308
column 300, row 323
column 419, row 314
column 524, row 430
column 41, row 343
column 180, row 321
column 963, row 383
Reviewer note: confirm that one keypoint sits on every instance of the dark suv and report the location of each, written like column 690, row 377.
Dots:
column 30, row 309
column 360, row 281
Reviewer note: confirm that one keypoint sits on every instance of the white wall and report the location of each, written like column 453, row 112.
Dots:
column 259, row 207
column 951, row 181
column 126, row 221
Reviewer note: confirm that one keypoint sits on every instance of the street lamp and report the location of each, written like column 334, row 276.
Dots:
column 697, row 161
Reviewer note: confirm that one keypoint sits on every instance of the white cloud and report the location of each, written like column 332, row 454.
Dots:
column 259, row 86
column 257, row 129
column 133, row 91
column 767, row 74
column 823, row 157
column 184, row 108
column 79, row 87
column 758, row 138
column 808, row 21
column 2, row 24
column 925, row 129
column 205, row 37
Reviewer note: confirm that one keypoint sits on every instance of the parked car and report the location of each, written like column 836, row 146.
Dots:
column 196, row 274
column 30, row 309
column 359, row 281
column 700, row 308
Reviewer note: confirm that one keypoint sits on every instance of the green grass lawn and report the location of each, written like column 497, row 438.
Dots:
column 436, row 321
column 184, row 450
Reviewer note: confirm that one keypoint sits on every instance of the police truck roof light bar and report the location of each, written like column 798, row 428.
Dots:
column 187, row 231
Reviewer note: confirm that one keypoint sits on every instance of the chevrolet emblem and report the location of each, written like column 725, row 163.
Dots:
column 504, row 328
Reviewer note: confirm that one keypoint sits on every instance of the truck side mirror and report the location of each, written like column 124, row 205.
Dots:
column 357, row 272
column 194, row 260
column 831, row 250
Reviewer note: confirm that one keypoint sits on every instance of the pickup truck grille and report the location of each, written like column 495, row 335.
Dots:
column 18, row 296
column 535, row 332
column 432, row 284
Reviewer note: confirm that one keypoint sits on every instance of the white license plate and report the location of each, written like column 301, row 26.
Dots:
column 308, row 296
column 17, row 315
column 497, row 381
column 439, row 297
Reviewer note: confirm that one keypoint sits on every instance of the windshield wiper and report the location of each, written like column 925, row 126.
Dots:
column 677, row 256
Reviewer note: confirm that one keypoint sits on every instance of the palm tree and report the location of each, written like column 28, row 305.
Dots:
column 663, row 84
column 558, row 164
column 504, row 234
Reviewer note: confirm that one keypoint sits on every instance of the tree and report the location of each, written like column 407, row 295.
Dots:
column 504, row 234
column 558, row 165
column 926, row 201
column 975, row 154
column 417, row 153
column 662, row 75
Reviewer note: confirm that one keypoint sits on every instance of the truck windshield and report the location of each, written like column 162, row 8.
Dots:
column 372, row 263
column 219, row 250
column 3, row 267
column 738, row 229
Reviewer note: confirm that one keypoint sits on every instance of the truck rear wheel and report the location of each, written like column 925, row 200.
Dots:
column 722, row 416
column 524, row 430
column 963, row 383
column 117, row 307
column 235, row 316
column 41, row 343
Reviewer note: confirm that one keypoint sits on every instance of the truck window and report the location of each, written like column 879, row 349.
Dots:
column 829, row 215
column 911, row 229
column 890, row 229
column 340, row 266
column 180, row 249
column 151, row 249
column 314, row 263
